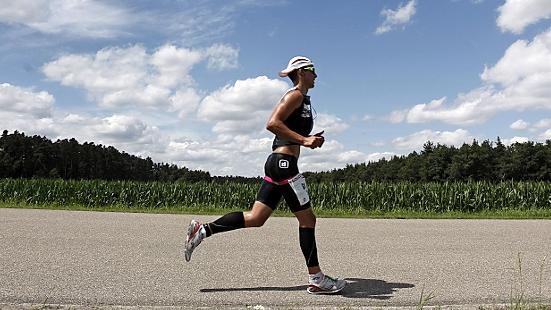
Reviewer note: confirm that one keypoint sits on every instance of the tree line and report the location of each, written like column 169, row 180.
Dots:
column 486, row 161
column 24, row 156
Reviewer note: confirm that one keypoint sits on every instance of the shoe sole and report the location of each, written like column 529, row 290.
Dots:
column 188, row 238
column 317, row 291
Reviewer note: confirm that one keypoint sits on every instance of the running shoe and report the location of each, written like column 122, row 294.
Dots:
column 195, row 234
column 327, row 285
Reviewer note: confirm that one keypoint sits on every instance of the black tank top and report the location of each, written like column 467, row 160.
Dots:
column 300, row 121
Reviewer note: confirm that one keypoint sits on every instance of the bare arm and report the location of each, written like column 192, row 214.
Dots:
column 288, row 104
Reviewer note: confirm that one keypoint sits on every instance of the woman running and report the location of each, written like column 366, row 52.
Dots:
column 291, row 122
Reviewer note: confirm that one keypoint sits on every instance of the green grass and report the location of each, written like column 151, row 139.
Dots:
column 282, row 212
column 520, row 307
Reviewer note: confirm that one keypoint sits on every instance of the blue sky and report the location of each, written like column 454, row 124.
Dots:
column 193, row 82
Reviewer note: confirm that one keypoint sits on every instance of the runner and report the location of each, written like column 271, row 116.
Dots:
column 291, row 122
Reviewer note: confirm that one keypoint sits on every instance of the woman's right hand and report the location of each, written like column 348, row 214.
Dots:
column 314, row 141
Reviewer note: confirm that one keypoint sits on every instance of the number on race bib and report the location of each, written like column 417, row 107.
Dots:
column 298, row 184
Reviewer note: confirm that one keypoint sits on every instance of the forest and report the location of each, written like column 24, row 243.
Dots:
column 24, row 156
column 35, row 156
column 486, row 161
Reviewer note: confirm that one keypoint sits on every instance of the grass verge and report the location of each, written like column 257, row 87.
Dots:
column 282, row 212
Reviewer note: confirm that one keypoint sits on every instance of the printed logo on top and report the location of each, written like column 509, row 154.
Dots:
column 306, row 111
column 283, row 163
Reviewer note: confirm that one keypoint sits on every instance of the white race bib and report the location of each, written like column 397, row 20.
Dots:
column 298, row 184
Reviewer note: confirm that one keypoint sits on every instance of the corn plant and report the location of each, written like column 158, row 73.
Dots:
column 346, row 196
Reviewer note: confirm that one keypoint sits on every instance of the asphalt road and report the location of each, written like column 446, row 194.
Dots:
column 98, row 259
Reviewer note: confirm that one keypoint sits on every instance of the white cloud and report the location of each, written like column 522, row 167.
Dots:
column 190, row 23
column 515, row 15
column 351, row 157
column 243, row 107
column 373, row 157
column 329, row 123
column 121, row 128
column 397, row 116
column 515, row 140
column 127, row 133
column 252, row 146
column 473, row 107
column 377, row 144
column 73, row 119
column 393, row 18
column 519, row 125
column 544, row 123
column 197, row 22
column 72, row 17
column 110, row 71
column 522, row 60
column 332, row 155
column 173, row 65
column 519, row 81
column 184, row 101
column 25, row 100
column 237, row 111
column 229, row 153
column 225, row 155
column 222, row 57
column 130, row 77
column 28, row 124
column 26, row 110
column 194, row 151
column 243, row 155
column 416, row 140
column 524, row 73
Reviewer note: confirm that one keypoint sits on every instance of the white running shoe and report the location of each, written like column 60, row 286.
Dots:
column 327, row 285
column 195, row 234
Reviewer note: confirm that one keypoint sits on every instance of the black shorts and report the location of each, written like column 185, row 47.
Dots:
column 283, row 179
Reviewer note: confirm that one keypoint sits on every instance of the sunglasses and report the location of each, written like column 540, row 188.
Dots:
column 311, row 69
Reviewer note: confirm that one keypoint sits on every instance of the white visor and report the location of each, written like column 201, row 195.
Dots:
column 294, row 64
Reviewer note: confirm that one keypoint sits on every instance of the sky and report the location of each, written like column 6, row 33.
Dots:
column 193, row 82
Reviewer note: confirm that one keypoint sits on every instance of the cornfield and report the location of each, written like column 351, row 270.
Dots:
column 348, row 197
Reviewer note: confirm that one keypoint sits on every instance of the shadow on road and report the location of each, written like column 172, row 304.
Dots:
column 371, row 288
column 356, row 288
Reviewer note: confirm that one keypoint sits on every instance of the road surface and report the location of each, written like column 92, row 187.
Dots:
column 103, row 259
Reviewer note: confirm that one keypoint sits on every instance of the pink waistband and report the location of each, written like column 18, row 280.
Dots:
column 267, row 178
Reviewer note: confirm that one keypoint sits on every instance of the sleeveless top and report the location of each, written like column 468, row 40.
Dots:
column 300, row 121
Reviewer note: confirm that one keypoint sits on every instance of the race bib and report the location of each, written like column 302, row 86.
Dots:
column 298, row 184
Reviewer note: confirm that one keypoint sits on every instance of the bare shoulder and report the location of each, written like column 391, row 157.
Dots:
column 293, row 98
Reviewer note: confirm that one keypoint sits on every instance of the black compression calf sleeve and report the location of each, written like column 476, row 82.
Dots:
column 230, row 221
column 307, row 239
